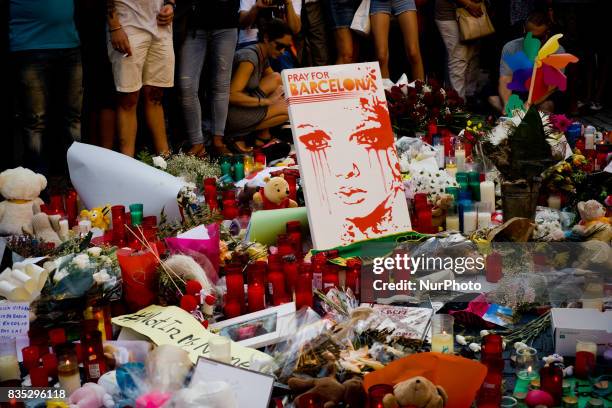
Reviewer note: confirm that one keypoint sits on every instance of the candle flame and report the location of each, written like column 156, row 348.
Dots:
column 529, row 369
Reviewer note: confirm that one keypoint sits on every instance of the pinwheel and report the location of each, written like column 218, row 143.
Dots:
column 536, row 69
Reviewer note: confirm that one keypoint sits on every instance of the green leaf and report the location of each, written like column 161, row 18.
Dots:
column 531, row 46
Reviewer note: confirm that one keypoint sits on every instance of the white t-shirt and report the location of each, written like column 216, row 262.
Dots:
column 250, row 34
column 141, row 15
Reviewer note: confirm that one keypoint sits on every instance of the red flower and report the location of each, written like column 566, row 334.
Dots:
column 428, row 98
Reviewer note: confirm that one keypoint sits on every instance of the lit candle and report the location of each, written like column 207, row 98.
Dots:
column 68, row 375
column 256, row 297
column 525, row 361
column 554, row 201
column 551, row 381
column 451, row 166
column 220, row 349
column 460, row 157
column 487, row 193
column 442, row 340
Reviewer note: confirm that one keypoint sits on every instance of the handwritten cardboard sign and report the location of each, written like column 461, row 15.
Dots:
column 173, row 325
column 14, row 319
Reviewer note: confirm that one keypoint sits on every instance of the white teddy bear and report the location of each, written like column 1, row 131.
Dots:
column 20, row 187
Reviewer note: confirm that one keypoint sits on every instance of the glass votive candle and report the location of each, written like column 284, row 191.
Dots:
column 220, row 349
column 551, row 381
column 68, row 368
column 31, row 357
column 526, row 360
column 586, row 353
column 136, row 214
column 9, row 366
column 39, row 377
column 377, row 392
column 442, row 339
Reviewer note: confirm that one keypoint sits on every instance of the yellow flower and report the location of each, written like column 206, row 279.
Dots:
column 480, row 125
column 469, row 123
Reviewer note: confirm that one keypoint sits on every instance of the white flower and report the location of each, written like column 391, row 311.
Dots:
column 94, row 251
column 475, row 347
column 460, row 339
column 484, row 333
column 105, row 260
column 101, row 277
column 81, row 261
column 160, row 162
column 519, row 345
column 59, row 275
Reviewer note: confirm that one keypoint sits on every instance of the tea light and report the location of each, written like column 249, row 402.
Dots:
column 442, row 339
column 525, row 363
column 220, row 349
column 68, row 369
column 451, row 166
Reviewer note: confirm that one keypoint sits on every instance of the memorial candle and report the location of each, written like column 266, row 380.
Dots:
column 220, row 349
column 30, row 357
column 303, row 287
column 330, row 277
column 256, row 297
column 470, row 218
column 460, row 157
column 586, row 353
column 451, row 166
column 442, row 340
column 39, row 377
column 484, row 215
column 9, row 366
column 290, row 269
column 353, row 275
column 551, row 381
column 452, row 219
column 487, row 193
column 68, row 369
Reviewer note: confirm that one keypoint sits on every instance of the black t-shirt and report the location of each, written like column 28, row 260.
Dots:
column 214, row 14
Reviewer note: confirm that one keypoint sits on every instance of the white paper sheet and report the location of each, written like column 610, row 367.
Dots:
column 199, row 232
column 102, row 176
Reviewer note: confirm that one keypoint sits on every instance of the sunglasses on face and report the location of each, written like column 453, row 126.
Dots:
column 280, row 46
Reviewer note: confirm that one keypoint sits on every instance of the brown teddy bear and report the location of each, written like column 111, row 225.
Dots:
column 416, row 392
column 594, row 224
column 438, row 213
column 274, row 195
column 331, row 392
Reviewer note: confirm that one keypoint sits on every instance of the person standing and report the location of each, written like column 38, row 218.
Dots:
column 314, row 51
column 44, row 46
column 142, row 56
column 462, row 57
column 212, row 28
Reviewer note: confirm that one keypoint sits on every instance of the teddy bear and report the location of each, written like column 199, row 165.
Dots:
column 21, row 188
column 438, row 213
column 330, row 390
column 417, row 392
column 46, row 228
column 594, row 224
column 274, row 195
column 98, row 216
column 91, row 395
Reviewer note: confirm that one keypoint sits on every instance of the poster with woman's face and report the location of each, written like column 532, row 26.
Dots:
column 345, row 146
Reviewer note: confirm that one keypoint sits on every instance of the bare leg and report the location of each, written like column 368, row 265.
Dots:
column 380, row 30
column 409, row 25
column 127, row 122
column 154, row 114
column 344, row 45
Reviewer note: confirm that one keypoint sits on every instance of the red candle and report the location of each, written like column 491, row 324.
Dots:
column 30, row 357
column 551, row 381
column 290, row 269
column 292, row 181
column 260, row 158
column 230, row 209
column 232, row 307
column 276, row 287
column 210, row 192
column 39, row 377
column 376, row 393
column 294, row 234
column 318, row 262
column 50, row 364
column 118, row 222
column 56, row 204
column 71, row 207
column 490, row 393
column 420, row 201
column 256, row 273
column 284, row 245
column 256, row 297
column 585, row 363
column 57, row 336
column 38, row 338
column 353, row 275
column 303, row 289
column 309, row 400
column 424, row 220
column 234, row 280
column 94, row 361
column 493, row 267
column 228, row 195
column 330, row 277
column 448, row 143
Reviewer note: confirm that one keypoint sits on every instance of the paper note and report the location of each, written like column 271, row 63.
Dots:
column 172, row 325
column 14, row 318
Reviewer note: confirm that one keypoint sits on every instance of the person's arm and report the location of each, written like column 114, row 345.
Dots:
column 166, row 14
column 294, row 20
column 239, row 82
column 247, row 18
column 118, row 37
column 504, row 92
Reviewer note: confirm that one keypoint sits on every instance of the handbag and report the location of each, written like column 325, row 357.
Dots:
column 473, row 28
column 361, row 19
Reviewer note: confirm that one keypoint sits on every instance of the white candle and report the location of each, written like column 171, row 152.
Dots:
column 442, row 343
column 9, row 368
column 470, row 221
column 452, row 222
column 554, row 201
column 68, row 375
column 460, row 159
column 487, row 193
column 439, row 150
column 84, row 226
column 220, row 349
column 64, row 229
column 484, row 219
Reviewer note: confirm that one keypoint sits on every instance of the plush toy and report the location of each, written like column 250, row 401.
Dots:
column 274, row 195
column 417, row 392
column 331, row 392
column 246, row 196
column 21, row 188
column 45, row 227
column 98, row 216
column 91, row 395
column 594, row 224
column 438, row 213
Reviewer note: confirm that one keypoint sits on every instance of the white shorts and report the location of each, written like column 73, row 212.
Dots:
column 151, row 63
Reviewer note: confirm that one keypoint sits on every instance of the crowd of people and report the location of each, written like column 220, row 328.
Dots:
column 203, row 76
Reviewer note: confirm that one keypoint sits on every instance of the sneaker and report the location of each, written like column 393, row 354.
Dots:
column 596, row 106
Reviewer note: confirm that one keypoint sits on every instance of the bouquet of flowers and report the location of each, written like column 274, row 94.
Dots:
column 192, row 169
column 414, row 106
column 563, row 177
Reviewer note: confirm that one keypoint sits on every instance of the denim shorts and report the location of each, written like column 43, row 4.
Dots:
column 395, row 7
column 341, row 12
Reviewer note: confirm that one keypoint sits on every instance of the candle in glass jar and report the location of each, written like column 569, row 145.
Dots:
column 68, row 375
column 470, row 218
column 9, row 366
column 442, row 340
column 487, row 193
column 460, row 157
column 220, row 349
column 256, row 297
column 484, row 215
column 551, row 381
column 452, row 219
column 31, row 357
column 526, row 359
column 586, row 353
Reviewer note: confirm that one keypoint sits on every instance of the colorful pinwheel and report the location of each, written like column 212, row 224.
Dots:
column 538, row 69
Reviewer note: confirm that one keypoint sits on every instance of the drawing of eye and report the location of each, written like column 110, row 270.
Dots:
column 316, row 140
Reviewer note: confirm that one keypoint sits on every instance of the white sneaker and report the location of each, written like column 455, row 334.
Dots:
column 596, row 106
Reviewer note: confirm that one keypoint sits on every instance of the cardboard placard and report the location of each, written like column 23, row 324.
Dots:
column 173, row 325
column 345, row 145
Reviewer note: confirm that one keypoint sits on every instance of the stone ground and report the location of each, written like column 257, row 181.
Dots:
column 601, row 119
